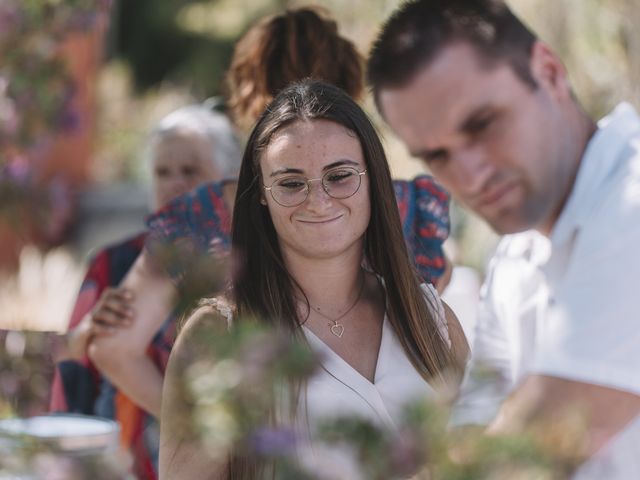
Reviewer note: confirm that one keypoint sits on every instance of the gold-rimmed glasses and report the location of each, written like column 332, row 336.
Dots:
column 293, row 190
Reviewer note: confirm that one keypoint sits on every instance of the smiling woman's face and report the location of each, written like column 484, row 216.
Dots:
column 321, row 226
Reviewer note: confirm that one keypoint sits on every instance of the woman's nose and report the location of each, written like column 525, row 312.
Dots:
column 316, row 194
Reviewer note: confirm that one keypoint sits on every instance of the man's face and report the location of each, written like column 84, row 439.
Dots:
column 496, row 143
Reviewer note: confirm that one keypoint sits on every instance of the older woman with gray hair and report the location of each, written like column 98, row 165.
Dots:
column 107, row 371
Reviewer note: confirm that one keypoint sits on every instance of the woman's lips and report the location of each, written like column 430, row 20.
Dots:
column 319, row 221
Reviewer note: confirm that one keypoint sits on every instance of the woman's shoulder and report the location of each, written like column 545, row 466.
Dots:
column 211, row 316
column 211, row 310
column 219, row 306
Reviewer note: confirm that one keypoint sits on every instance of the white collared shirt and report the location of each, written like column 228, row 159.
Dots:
column 568, row 305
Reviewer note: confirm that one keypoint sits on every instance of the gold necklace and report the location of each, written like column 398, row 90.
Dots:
column 336, row 327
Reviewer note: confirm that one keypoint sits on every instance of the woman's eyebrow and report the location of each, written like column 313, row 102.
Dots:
column 338, row 163
column 280, row 171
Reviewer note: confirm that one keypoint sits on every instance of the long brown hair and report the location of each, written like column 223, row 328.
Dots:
column 286, row 48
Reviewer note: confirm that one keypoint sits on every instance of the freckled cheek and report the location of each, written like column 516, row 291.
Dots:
column 360, row 217
column 283, row 222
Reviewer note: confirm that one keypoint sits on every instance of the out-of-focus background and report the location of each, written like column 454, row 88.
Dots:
column 83, row 81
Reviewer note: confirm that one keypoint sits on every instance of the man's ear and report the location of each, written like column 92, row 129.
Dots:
column 548, row 70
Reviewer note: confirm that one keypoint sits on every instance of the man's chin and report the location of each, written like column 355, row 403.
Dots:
column 506, row 225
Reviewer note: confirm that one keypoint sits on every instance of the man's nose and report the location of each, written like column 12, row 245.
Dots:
column 472, row 170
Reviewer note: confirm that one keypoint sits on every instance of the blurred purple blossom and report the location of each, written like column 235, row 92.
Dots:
column 273, row 442
column 68, row 119
column 11, row 18
column 36, row 91
column 408, row 450
column 16, row 171
column 45, row 209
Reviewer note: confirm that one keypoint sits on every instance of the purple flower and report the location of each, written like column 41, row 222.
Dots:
column 272, row 442
column 16, row 171
column 68, row 120
column 407, row 452
column 11, row 18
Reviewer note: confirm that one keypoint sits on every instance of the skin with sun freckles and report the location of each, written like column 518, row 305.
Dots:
column 321, row 226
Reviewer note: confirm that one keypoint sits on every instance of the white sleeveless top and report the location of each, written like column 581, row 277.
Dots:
column 338, row 389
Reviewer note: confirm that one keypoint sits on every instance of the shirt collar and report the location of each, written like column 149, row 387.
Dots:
column 598, row 161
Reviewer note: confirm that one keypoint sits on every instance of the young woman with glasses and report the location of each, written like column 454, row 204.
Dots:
column 321, row 255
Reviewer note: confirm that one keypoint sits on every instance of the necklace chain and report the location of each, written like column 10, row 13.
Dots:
column 336, row 327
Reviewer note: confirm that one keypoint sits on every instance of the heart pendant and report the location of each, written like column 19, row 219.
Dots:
column 337, row 329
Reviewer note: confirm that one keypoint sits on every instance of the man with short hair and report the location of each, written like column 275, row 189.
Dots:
column 489, row 109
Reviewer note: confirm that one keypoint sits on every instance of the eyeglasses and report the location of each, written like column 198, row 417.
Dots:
column 293, row 190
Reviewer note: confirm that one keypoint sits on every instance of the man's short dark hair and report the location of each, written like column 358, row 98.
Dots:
column 419, row 30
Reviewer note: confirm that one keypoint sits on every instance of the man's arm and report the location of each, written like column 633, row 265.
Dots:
column 488, row 378
column 542, row 401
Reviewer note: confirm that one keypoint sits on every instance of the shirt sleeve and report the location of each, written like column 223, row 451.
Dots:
column 197, row 221
column 93, row 284
column 424, row 211
column 488, row 378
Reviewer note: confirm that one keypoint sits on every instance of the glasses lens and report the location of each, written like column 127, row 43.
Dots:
column 290, row 191
column 341, row 182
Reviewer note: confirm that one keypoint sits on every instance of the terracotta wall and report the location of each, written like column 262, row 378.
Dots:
column 69, row 154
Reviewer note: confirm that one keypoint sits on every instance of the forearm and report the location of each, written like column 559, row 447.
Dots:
column 133, row 373
column 541, row 403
